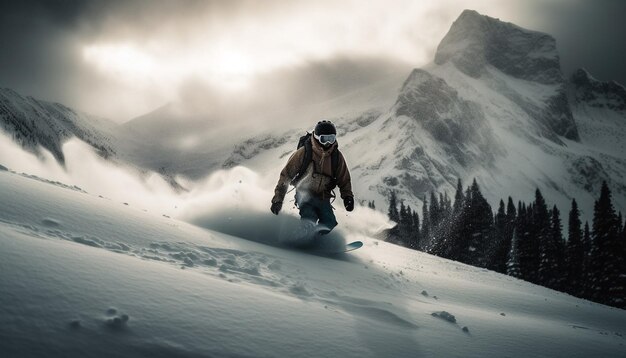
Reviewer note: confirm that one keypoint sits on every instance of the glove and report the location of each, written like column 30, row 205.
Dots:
column 349, row 203
column 276, row 207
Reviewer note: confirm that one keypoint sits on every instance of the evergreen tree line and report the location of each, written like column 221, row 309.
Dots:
column 525, row 241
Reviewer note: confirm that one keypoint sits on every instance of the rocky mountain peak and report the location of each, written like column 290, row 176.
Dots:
column 475, row 41
column 599, row 94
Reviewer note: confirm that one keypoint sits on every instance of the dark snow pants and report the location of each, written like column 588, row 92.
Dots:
column 316, row 210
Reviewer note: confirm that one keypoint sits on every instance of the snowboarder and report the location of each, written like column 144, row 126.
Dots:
column 315, row 169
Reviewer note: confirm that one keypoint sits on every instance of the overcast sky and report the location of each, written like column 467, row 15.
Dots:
column 120, row 59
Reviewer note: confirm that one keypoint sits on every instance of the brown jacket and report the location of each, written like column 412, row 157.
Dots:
column 317, row 176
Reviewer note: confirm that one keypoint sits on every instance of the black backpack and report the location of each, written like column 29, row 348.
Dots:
column 305, row 141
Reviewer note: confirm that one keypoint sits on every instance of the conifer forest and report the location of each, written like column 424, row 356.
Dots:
column 523, row 240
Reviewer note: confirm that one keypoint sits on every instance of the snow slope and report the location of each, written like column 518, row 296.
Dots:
column 35, row 123
column 86, row 276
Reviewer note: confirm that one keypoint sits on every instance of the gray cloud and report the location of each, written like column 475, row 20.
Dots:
column 42, row 43
column 281, row 95
column 589, row 34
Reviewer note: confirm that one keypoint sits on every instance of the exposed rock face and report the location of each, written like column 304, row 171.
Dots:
column 587, row 172
column 449, row 119
column 437, row 106
column 476, row 42
column 598, row 94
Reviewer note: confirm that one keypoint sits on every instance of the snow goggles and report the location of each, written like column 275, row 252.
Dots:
column 326, row 138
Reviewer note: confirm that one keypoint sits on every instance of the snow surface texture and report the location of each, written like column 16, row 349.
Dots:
column 86, row 276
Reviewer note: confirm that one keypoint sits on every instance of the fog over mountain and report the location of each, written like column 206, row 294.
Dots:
column 494, row 104
column 122, row 59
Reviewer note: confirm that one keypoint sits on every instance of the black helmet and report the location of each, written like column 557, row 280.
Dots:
column 325, row 127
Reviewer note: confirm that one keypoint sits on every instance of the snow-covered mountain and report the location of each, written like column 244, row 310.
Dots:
column 493, row 105
column 35, row 123
column 477, row 44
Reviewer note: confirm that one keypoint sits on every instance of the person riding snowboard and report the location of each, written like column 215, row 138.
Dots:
column 315, row 169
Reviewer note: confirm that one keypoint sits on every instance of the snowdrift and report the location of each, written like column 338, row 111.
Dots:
column 87, row 276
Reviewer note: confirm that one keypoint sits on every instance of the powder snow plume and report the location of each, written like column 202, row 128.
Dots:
column 234, row 201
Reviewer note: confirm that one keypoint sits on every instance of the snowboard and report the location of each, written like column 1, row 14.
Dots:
column 340, row 250
column 315, row 240
column 317, row 246
column 353, row 246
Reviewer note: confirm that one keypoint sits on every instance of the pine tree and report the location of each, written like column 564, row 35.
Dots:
column 444, row 209
column 511, row 214
column 439, row 224
column 511, row 217
column 538, row 234
column 409, row 217
column 587, row 266
column 462, row 245
column 520, row 229
column 500, row 245
column 459, row 198
column 416, row 221
column 447, row 206
column 575, row 252
column 434, row 212
column 393, row 234
column 552, row 254
column 607, row 284
column 406, row 223
column 561, row 251
column 479, row 224
column 425, row 242
column 512, row 265
column 393, row 213
column 450, row 244
column 415, row 232
column 586, row 240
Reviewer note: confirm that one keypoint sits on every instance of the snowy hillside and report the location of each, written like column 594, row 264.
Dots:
column 34, row 123
column 86, row 276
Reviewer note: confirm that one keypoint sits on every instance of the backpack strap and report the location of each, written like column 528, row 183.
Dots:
column 308, row 157
column 334, row 165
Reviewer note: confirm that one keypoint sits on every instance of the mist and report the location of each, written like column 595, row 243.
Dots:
column 123, row 59
column 234, row 201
